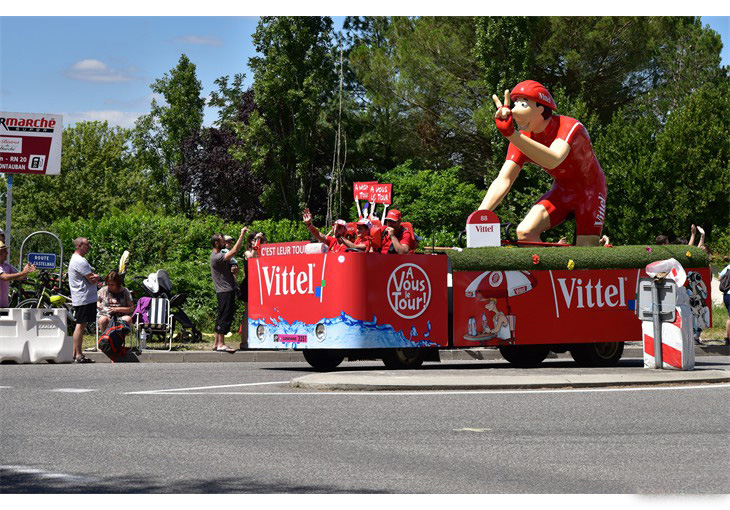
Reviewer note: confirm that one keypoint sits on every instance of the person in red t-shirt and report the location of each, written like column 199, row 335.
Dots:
column 396, row 239
column 562, row 147
column 334, row 243
column 364, row 241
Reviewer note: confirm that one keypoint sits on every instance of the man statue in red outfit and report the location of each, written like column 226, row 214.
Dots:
column 561, row 146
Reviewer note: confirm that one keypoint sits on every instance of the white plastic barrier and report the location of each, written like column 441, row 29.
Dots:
column 678, row 350
column 32, row 335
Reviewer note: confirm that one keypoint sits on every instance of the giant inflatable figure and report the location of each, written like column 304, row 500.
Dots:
column 561, row 146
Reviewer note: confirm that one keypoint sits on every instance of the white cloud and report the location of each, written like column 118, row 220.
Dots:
column 97, row 71
column 113, row 117
column 199, row 39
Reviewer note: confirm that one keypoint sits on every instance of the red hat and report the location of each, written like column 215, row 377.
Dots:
column 393, row 214
column 535, row 91
column 366, row 222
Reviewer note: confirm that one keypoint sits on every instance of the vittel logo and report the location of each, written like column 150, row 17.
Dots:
column 579, row 294
column 544, row 97
column 409, row 291
column 283, row 281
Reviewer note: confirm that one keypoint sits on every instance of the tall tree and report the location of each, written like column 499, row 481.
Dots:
column 289, row 138
column 160, row 135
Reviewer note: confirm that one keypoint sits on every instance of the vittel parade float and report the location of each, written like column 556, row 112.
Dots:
column 522, row 296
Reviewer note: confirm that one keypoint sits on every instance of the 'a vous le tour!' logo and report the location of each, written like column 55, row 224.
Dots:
column 409, row 291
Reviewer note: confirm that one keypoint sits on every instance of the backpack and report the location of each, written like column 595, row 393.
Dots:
column 725, row 282
column 111, row 341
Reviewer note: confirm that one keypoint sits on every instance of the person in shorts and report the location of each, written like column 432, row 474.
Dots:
column 83, row 283
column 562, row 147
column 225, row 286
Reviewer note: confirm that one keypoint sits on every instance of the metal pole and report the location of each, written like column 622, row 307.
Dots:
column 656, row 319
column 9, row 211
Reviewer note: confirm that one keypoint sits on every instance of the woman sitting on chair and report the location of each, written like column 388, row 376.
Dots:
column 114, row 299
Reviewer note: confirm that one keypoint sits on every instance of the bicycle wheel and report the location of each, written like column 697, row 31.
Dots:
column 28, row 303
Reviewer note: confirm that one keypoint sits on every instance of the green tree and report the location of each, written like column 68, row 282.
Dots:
column 97, row 176
column 160, row 135
column 288, row 139
column 433, row 201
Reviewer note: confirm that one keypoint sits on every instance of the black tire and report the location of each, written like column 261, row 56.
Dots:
column 403, row 359
column 524, row 356
column 323, row 359
column 197, row 335
column 599, row 354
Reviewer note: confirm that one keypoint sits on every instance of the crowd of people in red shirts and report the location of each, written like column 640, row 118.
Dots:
column 395, row 236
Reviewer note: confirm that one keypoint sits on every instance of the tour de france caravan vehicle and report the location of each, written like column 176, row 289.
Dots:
column 525, row 300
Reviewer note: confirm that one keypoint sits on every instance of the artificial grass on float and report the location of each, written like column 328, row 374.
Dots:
column 556, row 258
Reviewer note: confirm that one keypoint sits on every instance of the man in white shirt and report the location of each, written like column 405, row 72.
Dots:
column 82, row 280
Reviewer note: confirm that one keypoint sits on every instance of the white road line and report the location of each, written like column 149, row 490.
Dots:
column 172, row 390
column 5, row 387
column 413, row 393
column 72, row 390
column 48, row 475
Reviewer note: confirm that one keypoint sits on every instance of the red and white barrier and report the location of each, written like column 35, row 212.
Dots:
column 678, row 351
column 32, row 335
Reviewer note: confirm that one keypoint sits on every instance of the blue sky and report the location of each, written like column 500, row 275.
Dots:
column 100, row 68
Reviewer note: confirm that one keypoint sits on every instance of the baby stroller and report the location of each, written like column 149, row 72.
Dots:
column 157, row 285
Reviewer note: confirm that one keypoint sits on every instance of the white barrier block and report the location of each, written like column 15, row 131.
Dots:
column 32, row 335
column 678, row 350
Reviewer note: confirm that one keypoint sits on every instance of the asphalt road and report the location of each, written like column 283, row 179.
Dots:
column 239, row 428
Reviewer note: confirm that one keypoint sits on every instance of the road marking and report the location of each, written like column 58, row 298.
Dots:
column 412, row 393
column 23, row 470
column 72, row 390
column 5, row 387
column 172, row 391
column 471, row 430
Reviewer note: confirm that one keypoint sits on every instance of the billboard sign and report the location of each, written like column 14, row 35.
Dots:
column 30, row 143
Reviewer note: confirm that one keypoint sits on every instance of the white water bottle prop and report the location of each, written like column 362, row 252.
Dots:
column 359, row 213
column 672, row 267
column 385, row 208
column 372, row 211
column 143, row 339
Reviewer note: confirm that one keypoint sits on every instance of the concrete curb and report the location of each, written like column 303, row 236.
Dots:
column 297, row 356
column 417, row 380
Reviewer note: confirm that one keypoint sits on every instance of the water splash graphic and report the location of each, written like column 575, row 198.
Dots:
column 339, row 332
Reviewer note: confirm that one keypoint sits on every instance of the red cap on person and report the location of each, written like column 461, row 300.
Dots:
column 366, row 222
column 535, row 91
column 393, row 214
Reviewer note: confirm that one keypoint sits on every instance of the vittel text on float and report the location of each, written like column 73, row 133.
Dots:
column 285, row 282
column 589, row 295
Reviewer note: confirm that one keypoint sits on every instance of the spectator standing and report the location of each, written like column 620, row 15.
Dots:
column 335, row 243
column 252, row 252
column 225, row 286
column 726, row 301
column 114, row 299
column 8, row 273
column 2, row 235
column 396, row 239
column 83, row 283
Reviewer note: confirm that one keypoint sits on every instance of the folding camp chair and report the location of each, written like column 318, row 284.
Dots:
column 160, row 324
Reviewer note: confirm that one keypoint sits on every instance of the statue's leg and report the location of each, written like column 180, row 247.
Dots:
column 535, row 223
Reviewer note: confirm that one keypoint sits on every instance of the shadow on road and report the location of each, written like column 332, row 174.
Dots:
column 22, row 483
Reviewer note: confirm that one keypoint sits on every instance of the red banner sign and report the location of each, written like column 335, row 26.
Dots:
column 381, row 193
column 30, row 143
column 361, row 190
